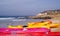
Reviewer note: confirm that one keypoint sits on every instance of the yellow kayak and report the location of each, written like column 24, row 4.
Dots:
column 44, row 24
column 19, row 26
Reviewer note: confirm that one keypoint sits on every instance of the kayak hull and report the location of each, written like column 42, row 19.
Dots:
column 22, row 30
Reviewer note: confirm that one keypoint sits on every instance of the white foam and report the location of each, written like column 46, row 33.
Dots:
column 19, row 20
column 5, row 18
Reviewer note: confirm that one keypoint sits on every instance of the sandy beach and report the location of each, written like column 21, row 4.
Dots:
column 56, row 29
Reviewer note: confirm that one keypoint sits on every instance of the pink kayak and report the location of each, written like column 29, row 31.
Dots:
column 27, row 32
column 22, row 30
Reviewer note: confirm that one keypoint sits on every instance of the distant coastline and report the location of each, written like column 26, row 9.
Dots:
column 49, row 14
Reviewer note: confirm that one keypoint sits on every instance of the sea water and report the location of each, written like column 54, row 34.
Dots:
column 14, row 21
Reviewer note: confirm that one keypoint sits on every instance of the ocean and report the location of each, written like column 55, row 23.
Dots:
column 14, row 21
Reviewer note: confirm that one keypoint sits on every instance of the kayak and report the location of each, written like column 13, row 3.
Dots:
column 22, row 30
column 27, row 32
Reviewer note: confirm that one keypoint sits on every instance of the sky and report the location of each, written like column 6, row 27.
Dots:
column 26, row 7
